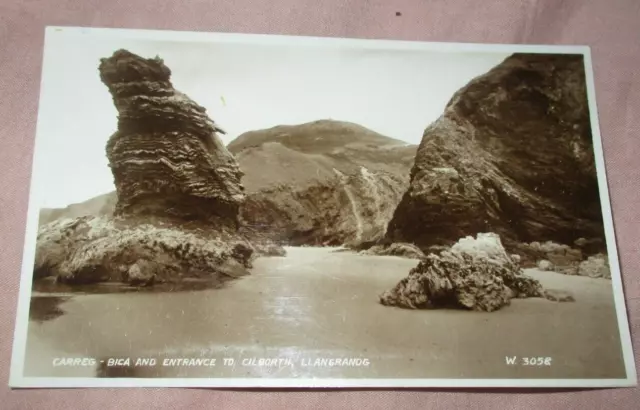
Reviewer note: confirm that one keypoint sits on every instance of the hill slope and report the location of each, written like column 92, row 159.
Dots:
column 325, row 182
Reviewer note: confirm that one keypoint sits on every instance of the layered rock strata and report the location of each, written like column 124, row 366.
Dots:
column 166, row 156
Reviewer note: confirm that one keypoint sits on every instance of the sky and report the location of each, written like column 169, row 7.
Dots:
column 244, row 87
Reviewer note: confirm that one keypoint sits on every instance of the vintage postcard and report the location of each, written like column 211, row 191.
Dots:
column 231, row 210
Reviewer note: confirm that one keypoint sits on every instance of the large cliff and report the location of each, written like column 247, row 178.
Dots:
column 512, row 154
column 178, row 192
column 321, row 183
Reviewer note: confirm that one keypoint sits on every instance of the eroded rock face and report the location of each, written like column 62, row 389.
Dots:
column 166, row 157
column 476, row 274
column 512, row 154
column 321, row 183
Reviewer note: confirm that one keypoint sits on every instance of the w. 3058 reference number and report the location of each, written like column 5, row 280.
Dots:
column 528, row 361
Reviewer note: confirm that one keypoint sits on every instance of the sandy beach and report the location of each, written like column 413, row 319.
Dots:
column 319, row 303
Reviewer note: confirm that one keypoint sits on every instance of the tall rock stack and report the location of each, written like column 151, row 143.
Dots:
column 511, row 154
column 178, row 193
column 166, row 156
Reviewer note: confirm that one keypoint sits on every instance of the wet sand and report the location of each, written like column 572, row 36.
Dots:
column 317, row 303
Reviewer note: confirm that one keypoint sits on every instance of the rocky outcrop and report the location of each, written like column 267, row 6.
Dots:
column 166, row 157
column 131, row 250
column 178, row 193
column 512, row 154
column 475, row 274
column 406, row 250
column 551, row 256
column 321, row 183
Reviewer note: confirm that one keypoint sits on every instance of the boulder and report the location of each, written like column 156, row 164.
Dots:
column 596, row 266
column 545, row 265
column 142, row 272
column 475, row 274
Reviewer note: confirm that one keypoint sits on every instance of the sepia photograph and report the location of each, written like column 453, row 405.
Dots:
column 235, row 210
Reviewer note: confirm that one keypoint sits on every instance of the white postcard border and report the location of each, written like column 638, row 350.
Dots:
column 17, row 379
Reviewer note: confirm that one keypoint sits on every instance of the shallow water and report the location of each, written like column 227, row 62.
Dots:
column 318, row 303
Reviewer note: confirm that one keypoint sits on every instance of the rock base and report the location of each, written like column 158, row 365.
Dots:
column 115, row 249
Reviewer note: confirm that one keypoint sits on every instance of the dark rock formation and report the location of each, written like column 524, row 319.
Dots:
column 321, row 183
column 511, row 154
column 475, row 274
column 178, row 193
column 166, row 157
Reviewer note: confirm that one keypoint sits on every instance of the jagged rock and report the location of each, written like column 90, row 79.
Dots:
column 321, row 183
column 596, row 266
column 512, row 154
column 476, row 274
column 166, row 157
column 406, row 250
column 545, row 265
